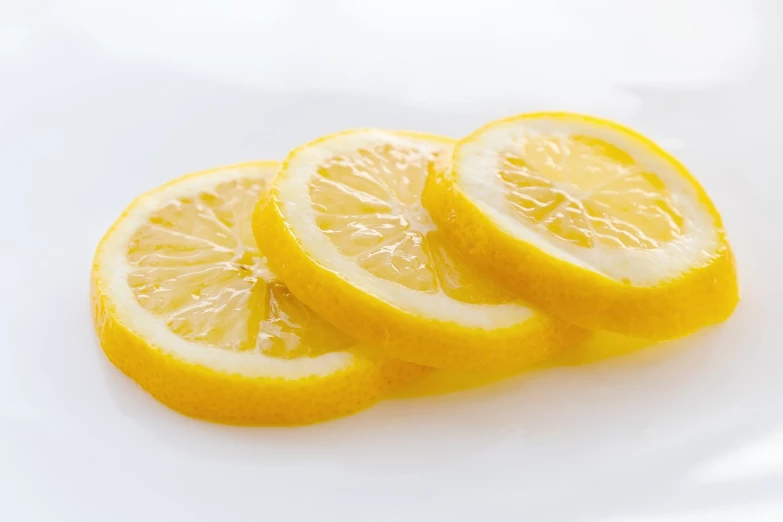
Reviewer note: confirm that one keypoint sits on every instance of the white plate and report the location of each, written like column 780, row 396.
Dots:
column 101, row 101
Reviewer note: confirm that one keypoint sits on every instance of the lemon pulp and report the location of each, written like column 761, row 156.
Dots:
column 196, row 265
column 588, row 192
column 368, row 203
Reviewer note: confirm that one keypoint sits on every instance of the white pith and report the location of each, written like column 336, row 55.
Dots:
column 477, row 160
column 114, row 268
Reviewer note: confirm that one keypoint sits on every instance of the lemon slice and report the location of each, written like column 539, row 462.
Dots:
column 345, row 229
column 590, row 221
column 185, row 305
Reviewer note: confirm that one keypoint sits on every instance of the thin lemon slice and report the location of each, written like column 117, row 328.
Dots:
column 590, row 221
column 186, row 306
column 345, row 229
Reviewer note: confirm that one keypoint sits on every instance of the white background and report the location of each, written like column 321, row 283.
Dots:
column 100, row 101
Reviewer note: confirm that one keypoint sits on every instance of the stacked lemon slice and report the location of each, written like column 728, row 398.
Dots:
column 185, row 304
column 292, row 293
column 589, row 221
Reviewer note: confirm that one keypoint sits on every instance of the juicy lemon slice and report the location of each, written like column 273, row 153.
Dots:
column 185, row 305
column 345, row 229
column 590, row 221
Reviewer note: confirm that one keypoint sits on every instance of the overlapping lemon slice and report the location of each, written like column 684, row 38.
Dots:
column 345, row 228
column 590, row 221
column 185, row 304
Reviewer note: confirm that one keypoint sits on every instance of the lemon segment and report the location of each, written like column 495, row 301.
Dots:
column 345, row 228
column 589, row 221
column 185, row 304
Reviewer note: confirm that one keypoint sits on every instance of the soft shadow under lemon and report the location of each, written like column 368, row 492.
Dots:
column 600, row 346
